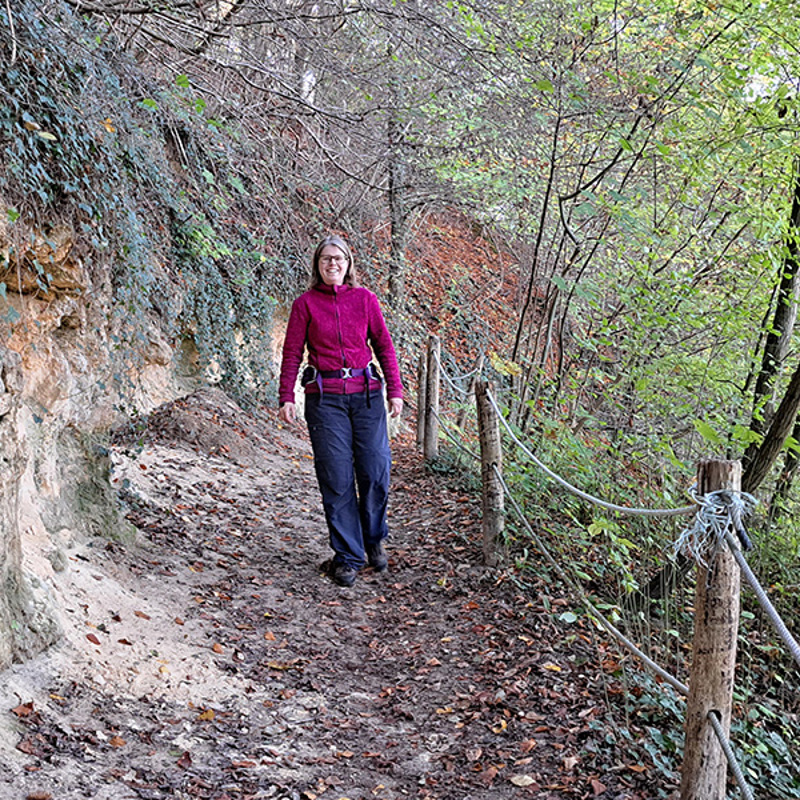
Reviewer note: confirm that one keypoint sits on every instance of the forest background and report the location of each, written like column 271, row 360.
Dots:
column 601, row 198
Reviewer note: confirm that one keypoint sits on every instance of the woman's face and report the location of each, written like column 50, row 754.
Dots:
column 332, row 265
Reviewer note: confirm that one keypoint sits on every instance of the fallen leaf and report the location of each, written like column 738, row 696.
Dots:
column 217, row 647
column 499, row 726
column 92, row 638
column 282, row 665
column 24, row 710
column 528, row 745
column 523, row 780
column 125, row 641
column 489, row 775
column 597, row 787
column 552, row 667
column 38, row 796
column 141, row 615
column 185, row 761
column 637, row 767
column 269, row 636
column 117, row 741
column 207, row 715
column 570, row 762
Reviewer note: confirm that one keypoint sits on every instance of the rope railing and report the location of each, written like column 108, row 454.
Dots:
column 763, row 599
column 717, row 513
column 452, row 438
column 452, row 381
column 469, row 374
column 600, row 617
column 724, row 743
column 644, row 512
column 737, row 505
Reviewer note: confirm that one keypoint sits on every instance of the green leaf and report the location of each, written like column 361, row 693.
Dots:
column 183, row 81
column 745, row 435
column 544, row 85
column 597, row 527
column 568, row 616
column 707, row 432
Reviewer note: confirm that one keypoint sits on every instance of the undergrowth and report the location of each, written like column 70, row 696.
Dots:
column 613, row 559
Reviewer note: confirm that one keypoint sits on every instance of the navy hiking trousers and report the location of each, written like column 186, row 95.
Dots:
column 352, row 461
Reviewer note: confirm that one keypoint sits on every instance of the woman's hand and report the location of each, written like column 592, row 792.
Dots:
column 288, row 413
column 396, row 406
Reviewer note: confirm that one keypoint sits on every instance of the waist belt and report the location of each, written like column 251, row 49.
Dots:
column 313, row 375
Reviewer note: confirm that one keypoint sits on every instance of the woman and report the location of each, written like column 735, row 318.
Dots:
column 338, row 321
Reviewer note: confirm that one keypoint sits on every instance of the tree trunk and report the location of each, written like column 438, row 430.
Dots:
column 779, row 336
column 786, row 478
column 770, row 448
column 398, row 188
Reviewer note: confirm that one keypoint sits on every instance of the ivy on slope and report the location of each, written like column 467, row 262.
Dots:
column 150, row 182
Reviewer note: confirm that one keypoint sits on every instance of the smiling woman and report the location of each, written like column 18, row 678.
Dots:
column 332, row 263
column 340, row 324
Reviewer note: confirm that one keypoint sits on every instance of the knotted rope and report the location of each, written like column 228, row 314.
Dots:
column 716, row 511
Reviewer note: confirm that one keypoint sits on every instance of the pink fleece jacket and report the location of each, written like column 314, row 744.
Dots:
column 337, row 324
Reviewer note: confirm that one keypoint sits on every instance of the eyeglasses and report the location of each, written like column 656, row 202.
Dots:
column 333, row 259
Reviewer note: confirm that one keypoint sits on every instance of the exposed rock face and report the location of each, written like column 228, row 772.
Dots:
column 11, row 463
column 62, row 383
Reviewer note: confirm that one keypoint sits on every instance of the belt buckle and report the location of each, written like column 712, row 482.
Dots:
column 347, row 372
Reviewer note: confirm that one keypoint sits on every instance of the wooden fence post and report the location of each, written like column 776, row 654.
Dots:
column 716, row 624
column 422, row 394
column 430, row 447
column 493, row 500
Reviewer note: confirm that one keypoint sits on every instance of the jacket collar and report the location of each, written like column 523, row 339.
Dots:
column 323, row 287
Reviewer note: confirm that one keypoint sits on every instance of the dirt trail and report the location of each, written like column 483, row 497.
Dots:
column 208, row 658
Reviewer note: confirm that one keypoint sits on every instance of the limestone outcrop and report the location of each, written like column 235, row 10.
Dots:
column 64, row 382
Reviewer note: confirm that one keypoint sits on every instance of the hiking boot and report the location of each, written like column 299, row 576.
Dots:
column 343, row 575
column 376, row 555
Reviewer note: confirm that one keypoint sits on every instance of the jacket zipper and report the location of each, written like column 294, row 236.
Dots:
column 338, row 324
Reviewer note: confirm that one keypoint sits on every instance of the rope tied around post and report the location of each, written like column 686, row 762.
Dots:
column 717, row 511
